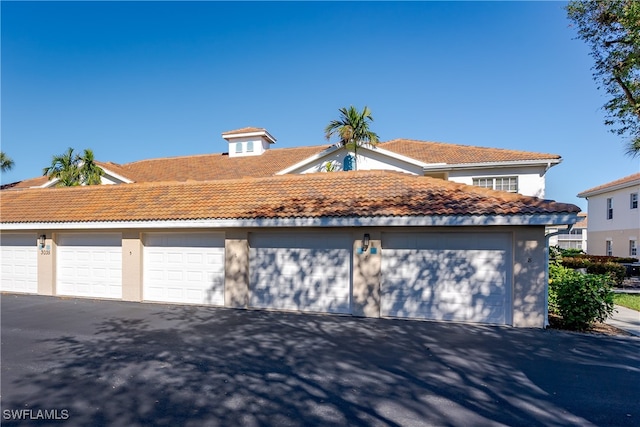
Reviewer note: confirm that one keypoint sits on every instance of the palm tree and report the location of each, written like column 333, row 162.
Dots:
column 73, row 169
column 65, row 168
column 353, row 129
column 90, row 172
column 6, row 163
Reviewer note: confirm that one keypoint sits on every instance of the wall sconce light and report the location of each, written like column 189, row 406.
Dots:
column 365, row 242
column 42, row 240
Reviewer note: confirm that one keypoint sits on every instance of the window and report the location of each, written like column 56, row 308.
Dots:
column 507, row 183
column 348, row 163
column 633, row 248
column 609, row 208
column 250, row 147
column 609, row 248
column 239, row 147
column 633, row 201
column 573, row 232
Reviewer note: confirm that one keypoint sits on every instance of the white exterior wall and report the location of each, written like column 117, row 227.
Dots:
column 623, row 216
column 531, row 179
column 525, row 264
column 108, row 179
column 366, row 160
column 260, row 145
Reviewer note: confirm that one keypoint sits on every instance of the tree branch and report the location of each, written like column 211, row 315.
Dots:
column 622, row 40
column 628, row 95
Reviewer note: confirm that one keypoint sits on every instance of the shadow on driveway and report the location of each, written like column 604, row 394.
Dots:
column 116, row 363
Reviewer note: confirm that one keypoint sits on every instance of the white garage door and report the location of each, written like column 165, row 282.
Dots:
column 184, row 268
column 90, row 265
column 19, row 263
column 301, row 271
column 447, row 276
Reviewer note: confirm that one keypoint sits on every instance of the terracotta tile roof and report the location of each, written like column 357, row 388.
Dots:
column 27, row 183
column 244, row 130
column 209, row 167
column 41, row 180
column 205, row 167
column 337, row 194
column 583, row 221
column 631, row 180
column 114, row 167
column 438, row 152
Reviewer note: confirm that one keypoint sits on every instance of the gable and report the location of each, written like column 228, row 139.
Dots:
column 337, row 158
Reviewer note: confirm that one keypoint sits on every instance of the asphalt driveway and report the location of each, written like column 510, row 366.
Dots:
column 118, row 363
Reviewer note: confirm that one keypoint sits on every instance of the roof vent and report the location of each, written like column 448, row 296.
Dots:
column 248, row 141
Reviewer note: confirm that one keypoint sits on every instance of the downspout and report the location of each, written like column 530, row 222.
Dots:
column 546, row 271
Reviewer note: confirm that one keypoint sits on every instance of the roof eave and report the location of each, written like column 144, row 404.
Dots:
column 548, row 163
column 561, row 218
column 262, row 133
column 621, row 186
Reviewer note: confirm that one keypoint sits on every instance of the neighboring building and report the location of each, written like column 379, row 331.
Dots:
column 574, row 237
column 614, row 221
column 251, row 228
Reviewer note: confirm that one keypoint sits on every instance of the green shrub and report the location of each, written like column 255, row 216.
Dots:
column 580, row 299
column 606, row 258
column 556, row 275
column 571, row 252
column 576, row 262
column 616, row 271
column 613, row 269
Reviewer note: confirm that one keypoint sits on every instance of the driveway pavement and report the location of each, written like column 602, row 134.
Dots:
column 98, row 363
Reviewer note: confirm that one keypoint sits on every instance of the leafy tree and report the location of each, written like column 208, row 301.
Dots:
column 352, row 128
column 72, row 169
column 6, row 163
column 611, row 28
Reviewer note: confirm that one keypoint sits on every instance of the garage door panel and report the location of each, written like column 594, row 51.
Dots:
column 91, row 240
column 184, row 268
column 90, row 265
column 19, row 266
column 444, row 276
column 303, row 272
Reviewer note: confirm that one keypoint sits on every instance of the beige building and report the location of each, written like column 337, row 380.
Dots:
column 614, row 221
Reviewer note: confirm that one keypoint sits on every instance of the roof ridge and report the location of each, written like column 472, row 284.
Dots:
column 224, row 153
column 453, row 144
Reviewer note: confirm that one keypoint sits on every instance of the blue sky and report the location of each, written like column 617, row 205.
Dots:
column 137, row 80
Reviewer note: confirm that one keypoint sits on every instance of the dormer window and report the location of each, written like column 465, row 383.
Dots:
column 255, row 140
